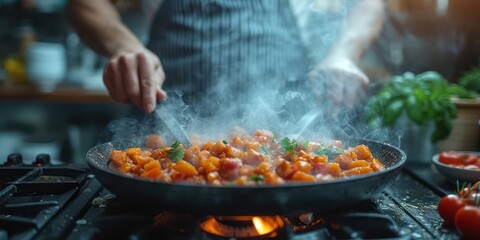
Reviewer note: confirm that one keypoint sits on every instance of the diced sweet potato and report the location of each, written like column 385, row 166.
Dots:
column 208, row 146
column 159, row 153
column 211, row 164
column 118, row 157
column 303, row 166
column 358, row 163
column 333, row 169
column 356, row 171
column 186, row 169
column 133, row 151
column 363, row 152
column 218, row 149
column 237, row 142
column 320, row 159
column 152, row 173
column 151, row 165
column 252, row 145
column 273, row 178
column 303, row 177
column 377, row 165
column 191, row 152
column 345, row 159
column 263, row 168
column 285, row 170
column 263, row 136
column 140, row 160
column 125, row 168
column 254, row 158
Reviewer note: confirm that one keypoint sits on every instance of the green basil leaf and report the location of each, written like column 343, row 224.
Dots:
column 443, row 128
column 392, row 112
column 413, row 111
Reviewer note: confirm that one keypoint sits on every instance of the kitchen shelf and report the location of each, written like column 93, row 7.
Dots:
column 62, row 94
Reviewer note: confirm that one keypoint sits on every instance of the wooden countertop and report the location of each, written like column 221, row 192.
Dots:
column 62, row 94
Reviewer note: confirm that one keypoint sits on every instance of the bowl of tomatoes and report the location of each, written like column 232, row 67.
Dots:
column 458, row 165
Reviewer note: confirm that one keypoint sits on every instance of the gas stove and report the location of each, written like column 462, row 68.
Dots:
column 43, row 201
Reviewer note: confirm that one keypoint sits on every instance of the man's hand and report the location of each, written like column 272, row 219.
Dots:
column 338, row 83
column 135, row 76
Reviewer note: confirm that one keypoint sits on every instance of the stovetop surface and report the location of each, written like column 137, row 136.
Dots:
column 69, row 203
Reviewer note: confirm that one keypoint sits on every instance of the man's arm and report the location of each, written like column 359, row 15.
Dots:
column 100, row 27
column 346, row 83
column 133, row 74
column 363, row 26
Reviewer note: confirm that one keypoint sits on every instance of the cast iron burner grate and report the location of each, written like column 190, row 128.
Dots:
column 33, row 197
column 121, row 219
column 41, row 201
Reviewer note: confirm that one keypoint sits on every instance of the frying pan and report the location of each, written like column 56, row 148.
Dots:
column 291, row 198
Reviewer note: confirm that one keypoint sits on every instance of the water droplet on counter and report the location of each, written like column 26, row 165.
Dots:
column 81, row 221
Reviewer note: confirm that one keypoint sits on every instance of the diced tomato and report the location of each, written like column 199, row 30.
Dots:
column 286, row 170
column 154, row 141
column 231, row 163
column 229, row 168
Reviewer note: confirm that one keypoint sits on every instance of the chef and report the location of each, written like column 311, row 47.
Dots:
column 221, row 50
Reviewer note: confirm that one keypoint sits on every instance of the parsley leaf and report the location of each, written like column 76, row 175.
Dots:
column 288, row 145
column 256, row 178
column 175, row 153
column 225, row 142
column 331, row 152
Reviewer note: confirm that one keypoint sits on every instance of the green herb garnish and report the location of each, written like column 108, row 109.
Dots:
column 225, row 142
column 288, row 145
column 331, row 152
column 256, row 178
column 175, row 152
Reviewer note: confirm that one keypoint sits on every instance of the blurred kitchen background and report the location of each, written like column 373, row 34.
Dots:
column 52, row 97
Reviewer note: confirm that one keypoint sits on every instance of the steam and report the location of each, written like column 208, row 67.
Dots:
column 287, row 108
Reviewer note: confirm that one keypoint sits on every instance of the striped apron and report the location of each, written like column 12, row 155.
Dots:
column 226, row 50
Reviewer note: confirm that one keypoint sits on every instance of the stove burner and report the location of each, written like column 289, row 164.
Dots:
column 42, row 160
column 14, row 159
column 242, row 226
column 180, row 223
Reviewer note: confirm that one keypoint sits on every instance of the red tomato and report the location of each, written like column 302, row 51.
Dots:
column 468, row 192
column 230, row 167
column 471, row 198
column 469, row 159
column 451, row 157
column 448, row 206
column 467, row 222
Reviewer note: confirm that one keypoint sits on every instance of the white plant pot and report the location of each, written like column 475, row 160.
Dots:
column 416, row 140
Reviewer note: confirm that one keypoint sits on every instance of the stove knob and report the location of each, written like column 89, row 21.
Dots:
column 14, row 159
column 42, row 159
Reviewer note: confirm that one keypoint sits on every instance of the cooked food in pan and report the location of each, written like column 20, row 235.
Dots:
column 245, row 159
